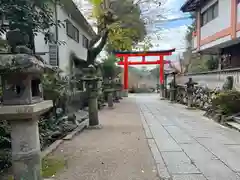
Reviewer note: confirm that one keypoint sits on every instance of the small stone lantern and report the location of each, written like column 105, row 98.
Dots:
column 190, row 89
column 117, row 90
column 22, row 105
column 108, row 89
column 162, row 91
column 173, row 87
column 100, row 94
column 165, row 85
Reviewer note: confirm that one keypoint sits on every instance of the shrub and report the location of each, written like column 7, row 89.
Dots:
column 227, row 102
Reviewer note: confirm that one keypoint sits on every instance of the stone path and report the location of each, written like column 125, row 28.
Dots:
column 119, row 151
column 184, row 144
column 187, row 146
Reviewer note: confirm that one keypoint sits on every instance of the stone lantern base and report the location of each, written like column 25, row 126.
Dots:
column 26, row 152
column 125, row 93
column 110, row 97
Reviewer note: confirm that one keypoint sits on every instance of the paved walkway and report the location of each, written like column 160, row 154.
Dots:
column 184, row 145
column 118, row 151
column 187, row 146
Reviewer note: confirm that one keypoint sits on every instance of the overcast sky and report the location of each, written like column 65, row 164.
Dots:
column 164, row 35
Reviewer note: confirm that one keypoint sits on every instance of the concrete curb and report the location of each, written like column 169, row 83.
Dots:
column 57, row 143
column 80, row 127
column 51, row 148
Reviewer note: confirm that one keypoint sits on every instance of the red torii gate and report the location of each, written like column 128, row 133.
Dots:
column 143, row 54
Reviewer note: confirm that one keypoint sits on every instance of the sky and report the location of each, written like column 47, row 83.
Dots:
column 163, row 34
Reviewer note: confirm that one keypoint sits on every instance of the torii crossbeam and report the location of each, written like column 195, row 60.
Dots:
column 125, row 55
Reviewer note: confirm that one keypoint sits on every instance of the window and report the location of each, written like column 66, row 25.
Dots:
column 85, row 41
column 209, row 14
column 72, row 31
column 215, row 10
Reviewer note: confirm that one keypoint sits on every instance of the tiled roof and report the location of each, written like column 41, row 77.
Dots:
column 192, row 5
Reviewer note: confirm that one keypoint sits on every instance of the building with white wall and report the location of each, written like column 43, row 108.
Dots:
column 76, row 34
column 217, row 26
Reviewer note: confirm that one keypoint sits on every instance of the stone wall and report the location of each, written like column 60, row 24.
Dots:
column 209, row 86
column 202, row 96
column 211, row 79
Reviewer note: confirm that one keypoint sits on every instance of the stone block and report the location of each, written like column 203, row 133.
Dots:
column 179, row 163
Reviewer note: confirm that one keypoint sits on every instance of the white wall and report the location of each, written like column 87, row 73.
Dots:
column 71, row 45
column 41, row 46
column 218, row 42
column 223, row 20
column 64, row 50
column 238, row 12
column 194, row 42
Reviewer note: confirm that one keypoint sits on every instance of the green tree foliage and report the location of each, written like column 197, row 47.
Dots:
column 30, row 16
column 109, row 67
column 212, row 63
column 189, row 34
column 203, row 63
column 55, row 88
column 185, row 63
column 118, row 22
column 197, row 64
column 227, row 102
column 131, row 27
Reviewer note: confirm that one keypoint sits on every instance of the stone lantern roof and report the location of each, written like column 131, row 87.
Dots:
column 22, row 63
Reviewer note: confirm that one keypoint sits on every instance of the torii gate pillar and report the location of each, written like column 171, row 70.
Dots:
column 125, row 76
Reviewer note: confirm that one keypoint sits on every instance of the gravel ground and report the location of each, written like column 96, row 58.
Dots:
column 118, row 151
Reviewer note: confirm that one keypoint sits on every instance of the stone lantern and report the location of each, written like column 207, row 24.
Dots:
column 22, row 105
column 173, row 87
column 100, row 94
column 118, row 86
column 117, row 89
column 165, row 85
column 161, row 88
column 91, row 81
column 108, row 89
column 190, row 89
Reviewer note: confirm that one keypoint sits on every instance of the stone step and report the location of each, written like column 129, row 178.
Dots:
column 234, row 125
column 236, row 119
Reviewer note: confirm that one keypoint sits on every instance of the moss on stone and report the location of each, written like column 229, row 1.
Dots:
column 50, row 166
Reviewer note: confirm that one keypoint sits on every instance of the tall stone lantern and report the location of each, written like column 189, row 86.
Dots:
column 166, row 74
column 22, row 105
column 91, row 80
column 173, row 87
